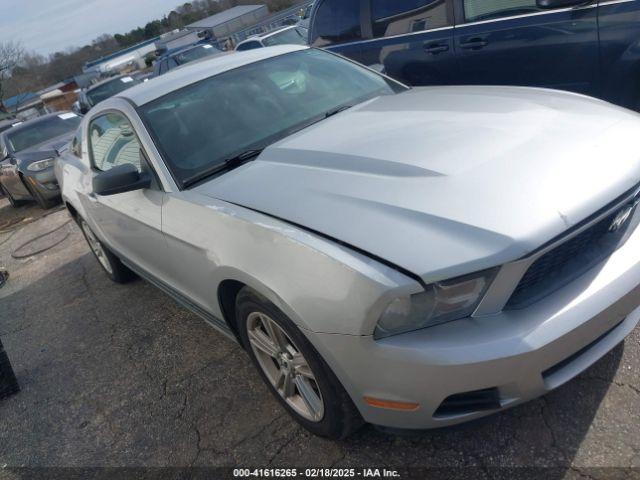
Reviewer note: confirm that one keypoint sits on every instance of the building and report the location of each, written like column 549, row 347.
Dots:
column 177, row 39
column 224, row 24
column 130, row 58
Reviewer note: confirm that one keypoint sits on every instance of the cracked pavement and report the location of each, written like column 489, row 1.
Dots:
column 116, row 375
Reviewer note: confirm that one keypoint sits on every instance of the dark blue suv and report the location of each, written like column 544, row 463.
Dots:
column 590, row 47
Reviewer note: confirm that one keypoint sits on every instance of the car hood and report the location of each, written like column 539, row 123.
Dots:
column 47, row 149
column 443, row 181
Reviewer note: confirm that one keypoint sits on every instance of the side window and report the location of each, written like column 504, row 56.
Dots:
column 476, row 10
column 248, row 46
column 163, row 67
column 113, row 142
column 406, row 16
column 76, row 144
column 336, row 21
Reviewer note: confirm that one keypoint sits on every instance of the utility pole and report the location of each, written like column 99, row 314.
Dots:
column 8, row 382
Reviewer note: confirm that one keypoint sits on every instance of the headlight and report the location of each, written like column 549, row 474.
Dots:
column 41, row 165
column 441, row 302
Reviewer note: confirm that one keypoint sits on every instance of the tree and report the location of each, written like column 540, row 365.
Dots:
column 11, row 54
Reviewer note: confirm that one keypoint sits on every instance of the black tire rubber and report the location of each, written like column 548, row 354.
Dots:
column 341, row 417
column 13, row 202
column 120, row 273
column 42, row 202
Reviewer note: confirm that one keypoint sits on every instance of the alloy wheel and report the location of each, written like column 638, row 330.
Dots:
column 285, row 366
column 96, row 247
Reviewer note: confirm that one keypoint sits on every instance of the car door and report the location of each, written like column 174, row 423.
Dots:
column 514, row 42
column 130, row 223
column 411, row 40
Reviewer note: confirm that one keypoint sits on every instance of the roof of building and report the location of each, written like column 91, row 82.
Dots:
column 224, row 17
column 22, row 99
column 196, row 71
column 124, row 51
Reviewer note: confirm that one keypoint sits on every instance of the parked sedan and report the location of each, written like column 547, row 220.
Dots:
column 182, row 56
column 284, row 36
column 27, row 154
column 105, row 89
column 408, row 257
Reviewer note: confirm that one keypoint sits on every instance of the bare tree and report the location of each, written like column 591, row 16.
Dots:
column 11, row 54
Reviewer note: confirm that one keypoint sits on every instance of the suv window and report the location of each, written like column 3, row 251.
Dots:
column 113, row 142
column 336, row 21
column 406, row 16
column 476, row 10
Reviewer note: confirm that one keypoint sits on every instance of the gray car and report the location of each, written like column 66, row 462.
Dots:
column 27, row 154
column 411, row 258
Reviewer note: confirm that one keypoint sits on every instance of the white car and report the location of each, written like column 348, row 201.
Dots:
column 292, row 35
column 412, row 258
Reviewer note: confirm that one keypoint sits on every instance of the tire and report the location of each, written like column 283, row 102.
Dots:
column 42, row 202
column 111, row 264
column 14, row 203
column 333, row 414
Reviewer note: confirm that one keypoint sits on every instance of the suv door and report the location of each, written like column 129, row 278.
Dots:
column 410, row 40
column 413, row 40
column 129, row 223
column 514, row 42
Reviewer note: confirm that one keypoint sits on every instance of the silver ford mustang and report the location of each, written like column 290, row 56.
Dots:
column 412, row 258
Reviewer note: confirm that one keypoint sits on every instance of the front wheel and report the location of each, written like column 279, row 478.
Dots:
column 292, row 369
column 13, row 202
column 111, row 264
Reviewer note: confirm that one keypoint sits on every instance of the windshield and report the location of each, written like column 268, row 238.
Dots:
column 28, row 136
column 287, row 37
column 109, row 89
column 200, row 126
column 195, row 54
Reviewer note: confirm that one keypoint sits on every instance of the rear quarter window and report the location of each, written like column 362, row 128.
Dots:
column 336, row 21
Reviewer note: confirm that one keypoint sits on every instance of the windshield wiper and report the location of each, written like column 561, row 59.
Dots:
column 337, row 110
column 226, row 165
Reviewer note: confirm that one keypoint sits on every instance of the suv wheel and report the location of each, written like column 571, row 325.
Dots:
column 293, row 370
column 111, row 264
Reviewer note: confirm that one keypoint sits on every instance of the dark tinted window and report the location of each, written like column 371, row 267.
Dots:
column 406, row 16
column 476, row 10
column 40, row 131
column 196, row 53
column 336, row 21
column 109, row 89
column 248, row 46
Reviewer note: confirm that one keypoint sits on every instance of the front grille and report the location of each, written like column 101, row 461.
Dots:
column 569, row 260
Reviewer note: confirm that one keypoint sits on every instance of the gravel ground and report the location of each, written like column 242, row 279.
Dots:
column 117, row 375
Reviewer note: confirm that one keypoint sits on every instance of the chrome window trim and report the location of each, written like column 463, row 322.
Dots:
column 613, row 2
column 401, row 35
column 510, row 274
column 525, row 15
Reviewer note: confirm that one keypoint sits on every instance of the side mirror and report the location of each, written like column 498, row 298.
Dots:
column 550, row 4
column 120, row 179
column 83, row 109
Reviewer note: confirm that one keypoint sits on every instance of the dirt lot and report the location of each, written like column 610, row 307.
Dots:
column 122, row 376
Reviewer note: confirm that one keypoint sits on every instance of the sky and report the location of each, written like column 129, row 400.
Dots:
column 47, row 26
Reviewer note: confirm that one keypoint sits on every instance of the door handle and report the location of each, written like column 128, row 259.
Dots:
column 435, row 48
column 474, row 44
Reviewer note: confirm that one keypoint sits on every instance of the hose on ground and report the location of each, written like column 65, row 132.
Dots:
column 17, row 256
